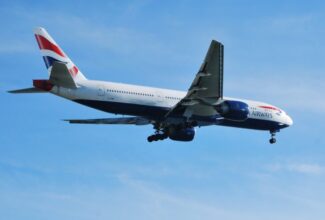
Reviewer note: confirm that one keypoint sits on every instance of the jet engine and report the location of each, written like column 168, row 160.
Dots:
column 181, row 134
column 233, row 110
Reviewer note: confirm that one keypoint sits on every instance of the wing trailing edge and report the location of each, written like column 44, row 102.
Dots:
column 120, row 121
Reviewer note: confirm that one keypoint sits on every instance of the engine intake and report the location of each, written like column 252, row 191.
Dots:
column 233, row 110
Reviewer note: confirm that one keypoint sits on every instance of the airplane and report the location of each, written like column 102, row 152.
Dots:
column 173, row 114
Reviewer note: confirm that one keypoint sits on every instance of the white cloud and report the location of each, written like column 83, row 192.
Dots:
column 120, row 39
column 167, row 205
column 306, row 168
column 300, row 94
column 303, row 168
column 15, row 47
column 291, row 22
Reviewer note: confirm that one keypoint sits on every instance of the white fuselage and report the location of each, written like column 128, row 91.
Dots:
column 123, row 98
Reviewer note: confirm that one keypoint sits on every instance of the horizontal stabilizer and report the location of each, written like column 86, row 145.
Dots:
column 27, row 90
column 124, row 120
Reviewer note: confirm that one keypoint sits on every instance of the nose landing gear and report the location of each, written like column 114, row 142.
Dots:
column 273, row 139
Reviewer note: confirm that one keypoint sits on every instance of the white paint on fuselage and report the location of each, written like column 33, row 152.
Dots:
column 150, row 96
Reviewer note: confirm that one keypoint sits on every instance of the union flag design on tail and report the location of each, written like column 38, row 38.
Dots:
column 52, row 52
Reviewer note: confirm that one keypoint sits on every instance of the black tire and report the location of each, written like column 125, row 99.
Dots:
column 272, row 141
column 150, row 139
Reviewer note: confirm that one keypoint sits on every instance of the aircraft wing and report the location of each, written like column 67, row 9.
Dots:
column 123, row 120
column 206, row 89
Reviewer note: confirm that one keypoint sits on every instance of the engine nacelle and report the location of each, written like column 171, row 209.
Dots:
column 183, row 134
column 233, row 110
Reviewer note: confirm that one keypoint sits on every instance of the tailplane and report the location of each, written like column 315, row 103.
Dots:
column 63, row 72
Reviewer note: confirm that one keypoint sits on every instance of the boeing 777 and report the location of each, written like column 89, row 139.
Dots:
column 173, row 114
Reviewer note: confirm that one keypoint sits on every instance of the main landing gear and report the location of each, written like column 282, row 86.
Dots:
column 157, row 136
column 273, row 140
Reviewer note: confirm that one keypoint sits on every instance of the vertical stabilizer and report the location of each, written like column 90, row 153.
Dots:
column 52, row 53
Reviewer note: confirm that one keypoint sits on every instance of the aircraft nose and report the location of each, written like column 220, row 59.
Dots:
column 289, row 120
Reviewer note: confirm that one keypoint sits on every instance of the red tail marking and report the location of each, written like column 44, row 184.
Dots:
column 42, row 84
column 73, row 71
column 45, row 44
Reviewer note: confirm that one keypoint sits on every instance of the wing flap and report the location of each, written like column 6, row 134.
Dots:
column 210, row 74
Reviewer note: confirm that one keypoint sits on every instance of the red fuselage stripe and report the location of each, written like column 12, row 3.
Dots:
column 270, row 107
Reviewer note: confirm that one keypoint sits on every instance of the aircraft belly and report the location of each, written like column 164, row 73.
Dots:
column 256, row 124
column 125, row 108
column 203, row 111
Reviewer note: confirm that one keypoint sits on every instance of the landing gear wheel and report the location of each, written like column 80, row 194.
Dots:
column 157, row 136
column 150, row 138
column 272, row 141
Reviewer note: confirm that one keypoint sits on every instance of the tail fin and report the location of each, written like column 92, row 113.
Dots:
column 52, row 53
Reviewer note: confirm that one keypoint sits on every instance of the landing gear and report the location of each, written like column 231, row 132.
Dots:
column 157, row 136
column 273, row 140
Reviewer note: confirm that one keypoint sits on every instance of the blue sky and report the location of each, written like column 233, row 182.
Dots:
column 274, row 52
